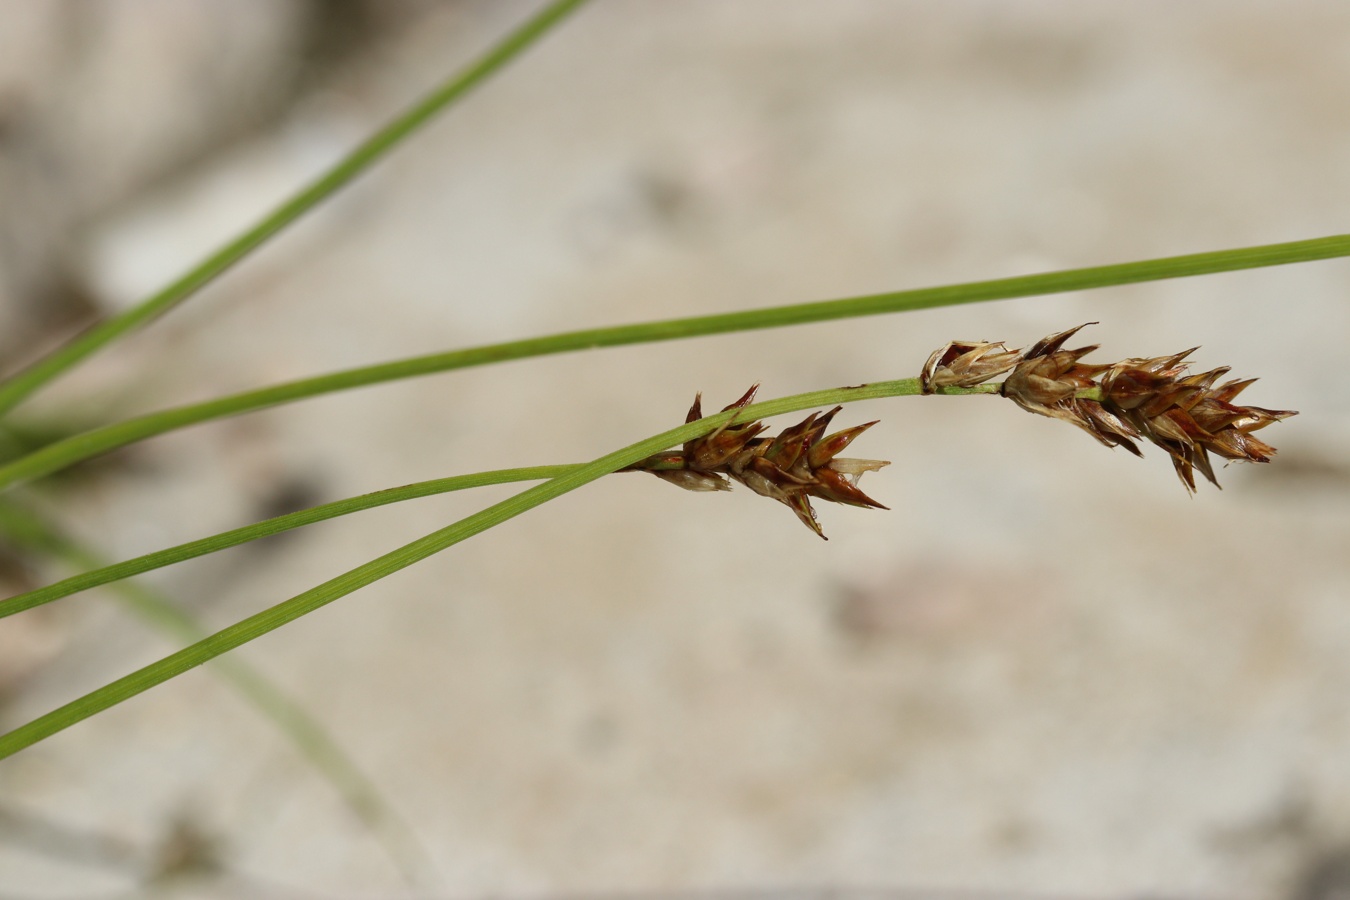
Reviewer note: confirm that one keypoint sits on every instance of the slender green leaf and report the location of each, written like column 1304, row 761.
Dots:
column 63, row 453
column 18, row 387
column 110, row 573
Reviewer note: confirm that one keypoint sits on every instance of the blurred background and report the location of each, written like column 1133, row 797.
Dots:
column 1046, row 672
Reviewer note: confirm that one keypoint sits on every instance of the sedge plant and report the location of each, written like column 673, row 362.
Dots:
column 1151, row 399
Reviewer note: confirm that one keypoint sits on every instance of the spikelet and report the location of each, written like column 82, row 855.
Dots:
column 966, row 364
column 1152, row 399
column 800, row 463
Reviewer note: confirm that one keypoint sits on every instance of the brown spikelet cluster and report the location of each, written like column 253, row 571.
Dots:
column 1189, row 416
column 798, row 464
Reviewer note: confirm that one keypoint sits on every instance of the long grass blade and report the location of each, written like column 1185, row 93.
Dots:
column 58, row 455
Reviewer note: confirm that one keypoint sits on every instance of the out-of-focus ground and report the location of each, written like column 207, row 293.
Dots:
column 1046, row 672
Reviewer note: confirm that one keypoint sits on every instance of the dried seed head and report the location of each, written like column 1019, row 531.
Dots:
column 798, row 464
column 1151, row 398
column 966, row 364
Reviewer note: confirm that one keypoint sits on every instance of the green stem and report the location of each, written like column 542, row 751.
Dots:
column 268, row 527
column 23, row 383
column 304, row 603
column 64, row 453
column 192, row 549
column 315, row 745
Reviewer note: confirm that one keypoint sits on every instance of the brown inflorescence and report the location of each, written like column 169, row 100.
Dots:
column 800, row 463
column 1150, row 398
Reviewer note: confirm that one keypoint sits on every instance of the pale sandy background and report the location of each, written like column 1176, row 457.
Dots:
column 1046, row 672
